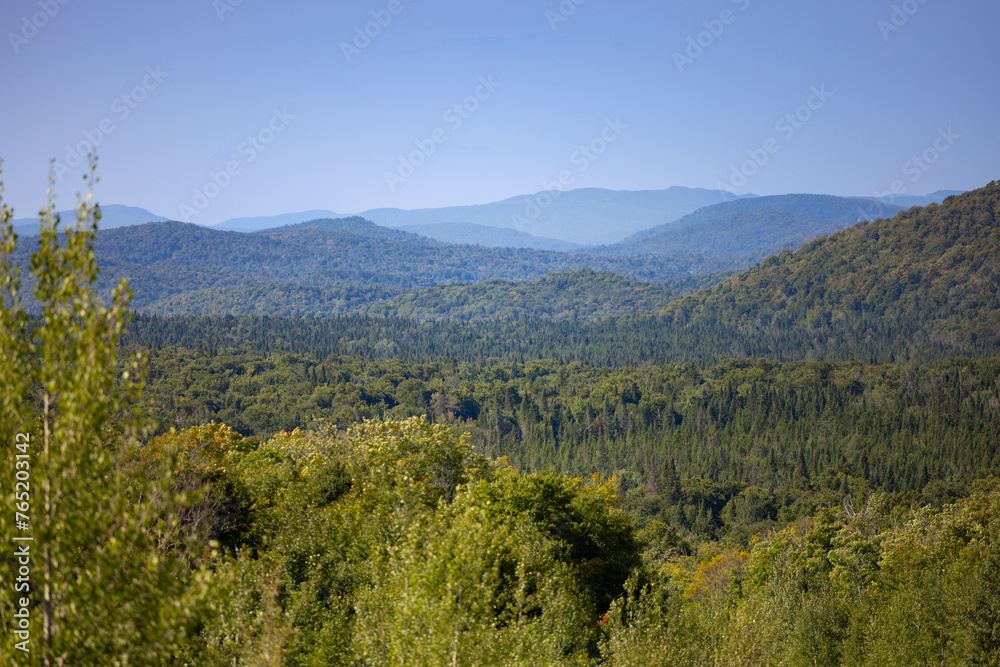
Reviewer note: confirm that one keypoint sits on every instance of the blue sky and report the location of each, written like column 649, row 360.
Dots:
column 212, row 109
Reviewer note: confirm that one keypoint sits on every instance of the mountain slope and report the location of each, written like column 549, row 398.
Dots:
column 750, row 229
column 459, row 233
column 177, row 267
column 755, row 231
column 929, row 276
column 844, row 210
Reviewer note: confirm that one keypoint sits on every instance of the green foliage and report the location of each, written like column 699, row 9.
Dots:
column 463, row 589
column 204, row 458
column 850, row 588
column 382, row 541
column 926, row 277
column 107, row 583
column 575, row 295
column 418, row 509
column 597, row 539
column 727, row 451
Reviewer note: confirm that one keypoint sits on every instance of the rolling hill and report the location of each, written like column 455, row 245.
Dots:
column 927, row 277
column 359, row 226
column 751, row 233
column 319, row 268
column 586, row 216
column 920, row 287
column 776, row 221
column 253, row 224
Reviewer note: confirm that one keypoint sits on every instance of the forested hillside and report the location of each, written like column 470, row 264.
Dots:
column 541, row 476
column 841, row 210
column 753, row 232
column 325, row 268
column 927, row 276
column 356, row 225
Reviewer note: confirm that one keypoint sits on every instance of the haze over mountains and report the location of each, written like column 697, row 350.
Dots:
column 750, row 226
column 558, row 220
column 112, row 216
column 589, row 216
column 328, row 267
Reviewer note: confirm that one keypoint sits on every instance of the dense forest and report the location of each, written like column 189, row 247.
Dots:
column 629, row 340
column 573, row 295
column 810, row 426
column 795, row 466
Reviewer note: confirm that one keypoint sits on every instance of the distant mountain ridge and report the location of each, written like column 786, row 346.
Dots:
column 753, row 227
column 926, row 277
column 323, row 268
column 359, row 226
column 112, row 217
column 586, row 216
column 909, row 201
column 257, row 223
column 460, row 233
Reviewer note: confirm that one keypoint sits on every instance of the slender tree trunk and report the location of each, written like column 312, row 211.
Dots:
column 47, row 607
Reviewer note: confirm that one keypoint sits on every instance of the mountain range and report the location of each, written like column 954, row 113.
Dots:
column 328, row 267
column 556, row 220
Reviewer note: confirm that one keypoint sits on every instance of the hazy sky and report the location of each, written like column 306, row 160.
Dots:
column 213, row 109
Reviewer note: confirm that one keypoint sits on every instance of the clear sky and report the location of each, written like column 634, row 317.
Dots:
column 271, row 107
